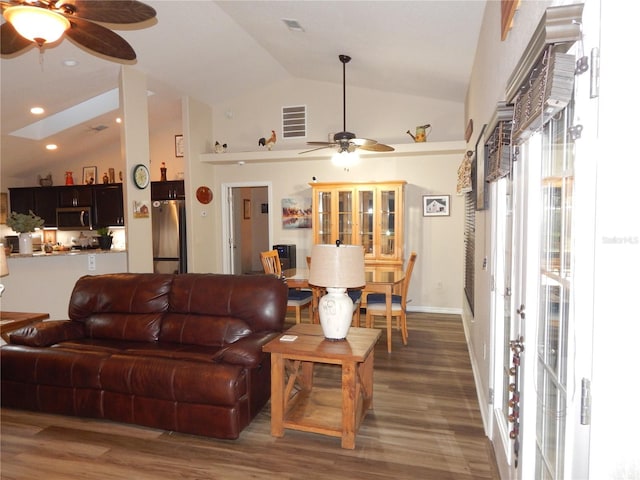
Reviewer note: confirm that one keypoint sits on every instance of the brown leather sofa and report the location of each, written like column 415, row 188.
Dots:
column 175, row 352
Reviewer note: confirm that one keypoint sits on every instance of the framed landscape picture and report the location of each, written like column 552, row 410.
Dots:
column 435, row 205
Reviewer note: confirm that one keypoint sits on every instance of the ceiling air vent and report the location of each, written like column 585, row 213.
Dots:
column 294, row 121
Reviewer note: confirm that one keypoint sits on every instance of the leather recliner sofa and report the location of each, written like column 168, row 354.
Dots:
column 177, row 352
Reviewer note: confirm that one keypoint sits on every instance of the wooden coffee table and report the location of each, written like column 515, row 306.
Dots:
column 10, row 321
column 297, row 405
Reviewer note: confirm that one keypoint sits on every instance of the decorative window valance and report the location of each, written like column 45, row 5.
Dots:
column 548, row 91
column 464, row 174
column 498, row 144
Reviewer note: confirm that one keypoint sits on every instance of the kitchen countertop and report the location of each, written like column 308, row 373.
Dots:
column 60, row 253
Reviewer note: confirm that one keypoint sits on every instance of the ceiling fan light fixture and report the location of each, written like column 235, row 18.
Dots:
column 345, row 158
column 37, row 24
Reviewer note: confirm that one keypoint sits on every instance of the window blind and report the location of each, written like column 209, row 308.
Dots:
column 469, row 246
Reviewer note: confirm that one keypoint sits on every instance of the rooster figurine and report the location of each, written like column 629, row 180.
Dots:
column 220, row 148
column 268, row 143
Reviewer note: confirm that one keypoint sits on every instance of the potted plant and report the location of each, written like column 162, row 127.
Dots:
column 105, row 238
column 24, row 224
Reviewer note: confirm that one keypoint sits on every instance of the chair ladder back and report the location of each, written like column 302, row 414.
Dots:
column 407, row 278
column 271, row 262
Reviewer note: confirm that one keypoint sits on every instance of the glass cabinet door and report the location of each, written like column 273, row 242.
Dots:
column 365, row 220
column 387, row 215
column 323, row 217
column 345, row 217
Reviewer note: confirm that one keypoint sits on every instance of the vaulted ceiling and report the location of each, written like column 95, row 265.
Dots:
column 217, row 50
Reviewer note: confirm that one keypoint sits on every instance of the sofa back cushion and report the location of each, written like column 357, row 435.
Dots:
column 122, row 306
column 217, row 309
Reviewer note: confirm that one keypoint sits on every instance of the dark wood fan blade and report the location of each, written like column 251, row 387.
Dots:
column 99, row 39
column 378, row 147
column 111, row 11
column 11, row 41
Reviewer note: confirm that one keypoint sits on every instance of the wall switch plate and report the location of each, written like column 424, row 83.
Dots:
column 91, row 259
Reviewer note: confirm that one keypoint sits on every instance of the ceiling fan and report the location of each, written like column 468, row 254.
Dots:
column 346, row 141
column 26, row 20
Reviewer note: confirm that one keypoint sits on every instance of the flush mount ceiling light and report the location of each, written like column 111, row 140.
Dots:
column 45, row 21
column 52, row 146
column 37, row 24
column 37, row 110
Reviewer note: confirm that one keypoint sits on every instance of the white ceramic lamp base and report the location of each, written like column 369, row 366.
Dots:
column 336, row 311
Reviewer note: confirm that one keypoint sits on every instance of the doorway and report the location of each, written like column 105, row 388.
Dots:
column 246, row 226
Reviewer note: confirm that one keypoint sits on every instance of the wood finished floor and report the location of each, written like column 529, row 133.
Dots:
column 425, row 425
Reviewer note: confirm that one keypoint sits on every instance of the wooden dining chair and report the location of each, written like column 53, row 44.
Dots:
column 377, row 306
column 297, row 299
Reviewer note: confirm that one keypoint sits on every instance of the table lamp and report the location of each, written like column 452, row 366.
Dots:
column 336, row 268
column 4, row 268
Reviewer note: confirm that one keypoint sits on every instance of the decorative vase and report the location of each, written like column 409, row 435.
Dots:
column 26, row 243
column 105, row 242
column 335, row 309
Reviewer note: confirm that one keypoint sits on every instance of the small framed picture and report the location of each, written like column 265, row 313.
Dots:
column 179, row 146
column 246, row 211
column 435, row 205
column 89, row 175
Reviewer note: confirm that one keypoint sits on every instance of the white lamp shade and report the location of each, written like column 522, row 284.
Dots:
column 36, row 23
column 337, row 267
column 4, row 268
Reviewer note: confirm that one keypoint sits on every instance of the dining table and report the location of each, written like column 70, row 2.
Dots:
column 380, row 279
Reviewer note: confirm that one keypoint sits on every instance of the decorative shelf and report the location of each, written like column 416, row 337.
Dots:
column 266, row 156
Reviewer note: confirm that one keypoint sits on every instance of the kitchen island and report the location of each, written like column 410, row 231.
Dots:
column 42, row 282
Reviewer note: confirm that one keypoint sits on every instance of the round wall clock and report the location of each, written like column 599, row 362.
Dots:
column 141, row 176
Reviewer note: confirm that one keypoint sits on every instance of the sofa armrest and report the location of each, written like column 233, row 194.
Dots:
column 46, row 333
column 246, row 351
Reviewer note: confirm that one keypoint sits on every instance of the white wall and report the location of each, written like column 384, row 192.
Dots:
column 495, row 60
column 386, row 117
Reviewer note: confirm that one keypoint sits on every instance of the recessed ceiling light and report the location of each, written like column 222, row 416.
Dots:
column 37, row 110
column 70, row 62
column 118, row 120
column 52, row 146
column 293, row 25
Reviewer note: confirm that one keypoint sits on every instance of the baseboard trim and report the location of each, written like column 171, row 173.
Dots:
column 441, row 310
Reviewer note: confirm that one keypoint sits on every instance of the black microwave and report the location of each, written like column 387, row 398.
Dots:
column 74, row 218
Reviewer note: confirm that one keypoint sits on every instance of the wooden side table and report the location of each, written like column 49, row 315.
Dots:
column 297, row 405
column 10, row 321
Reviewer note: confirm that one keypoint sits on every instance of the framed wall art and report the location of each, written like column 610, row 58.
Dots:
column 179, row 144
column 89, row 175
column 435, row 205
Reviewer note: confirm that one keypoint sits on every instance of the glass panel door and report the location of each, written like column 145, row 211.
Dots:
column 345, row 217
column 324, row 217
column 554, row 293
column 387, row 222
column 365, row 216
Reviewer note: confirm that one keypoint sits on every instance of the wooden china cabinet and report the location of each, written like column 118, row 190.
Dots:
column 367, row 214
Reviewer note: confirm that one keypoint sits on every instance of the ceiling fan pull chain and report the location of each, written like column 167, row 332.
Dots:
column 41, row 58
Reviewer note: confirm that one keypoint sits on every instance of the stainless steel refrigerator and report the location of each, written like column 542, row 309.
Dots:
column 169, row 230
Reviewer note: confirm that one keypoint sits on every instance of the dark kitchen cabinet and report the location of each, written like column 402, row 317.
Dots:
column 42, row 201
column 45, row 202
column 75, row 196
column 108, row 206
column 21, row 200
column 170, row 190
